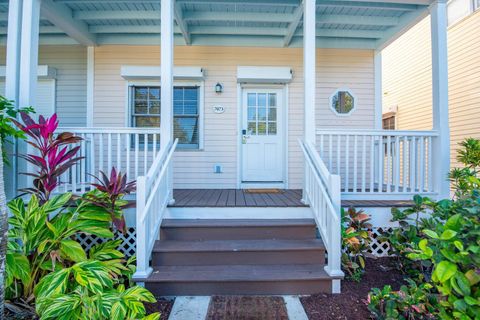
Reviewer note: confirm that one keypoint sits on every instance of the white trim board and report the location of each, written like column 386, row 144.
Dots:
column 43, row 72
column 238, row 213
column 153, row 73
column 258, row 74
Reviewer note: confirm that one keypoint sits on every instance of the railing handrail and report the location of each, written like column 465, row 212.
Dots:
column 376, row 132
column 157, row 171
column 109, row 130
column 329, row 225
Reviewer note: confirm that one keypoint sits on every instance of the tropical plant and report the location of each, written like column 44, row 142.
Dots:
column 356, row 240
column 410, row 302
column 41, row 239
column 87, row 291
column 8, row 131
column 453, row 247
column 464, row 179
column 109, row 193
column 55, row 156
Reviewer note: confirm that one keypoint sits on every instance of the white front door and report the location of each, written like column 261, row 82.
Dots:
column 263, row 135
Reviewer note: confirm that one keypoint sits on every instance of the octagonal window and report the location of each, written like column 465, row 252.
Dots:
column 342, row 102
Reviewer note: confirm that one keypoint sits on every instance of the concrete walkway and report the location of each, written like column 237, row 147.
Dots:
column 196, row 308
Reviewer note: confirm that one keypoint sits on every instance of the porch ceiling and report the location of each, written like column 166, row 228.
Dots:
column 269, row 23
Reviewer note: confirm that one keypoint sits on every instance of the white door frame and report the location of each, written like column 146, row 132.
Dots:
column 240, row 111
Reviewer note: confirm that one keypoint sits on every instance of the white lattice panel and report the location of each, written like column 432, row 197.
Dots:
column 379, row 248
column 127, row 247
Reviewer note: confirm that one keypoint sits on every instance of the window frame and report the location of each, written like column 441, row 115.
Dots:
column 355, row 102
column 474, row 5
column 177, row 83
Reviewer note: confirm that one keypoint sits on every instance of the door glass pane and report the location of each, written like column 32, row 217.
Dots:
column 252, row 99
column 272, row 114
column 252, row 113
column 262, row 128
column 262, row 114
column 272, row 99
column 272, row 128
column 262, row 99
column 252, row 128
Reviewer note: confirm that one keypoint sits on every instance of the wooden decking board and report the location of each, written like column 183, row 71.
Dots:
column 239, row 198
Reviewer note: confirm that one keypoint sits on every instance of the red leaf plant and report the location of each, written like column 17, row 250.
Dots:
column 109, row 194
column 54, row 156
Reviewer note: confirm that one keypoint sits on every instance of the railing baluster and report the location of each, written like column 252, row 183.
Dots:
column 83, row 153
column 372, row 164
column 397, row 163
column 330, row 153
column 364, row 162
column 347, row 164
column 339, row 144
column 100, row 145
column 119, row 159
column 389, row 164
column 355, row 162
column 412, row 165
column 421, row 159
column 128, row 146
column 92, row 158
column 404, row 156
column 109, row 152
column 145, row 153
column 136, row 153
column 381, row 154
column 429, row 163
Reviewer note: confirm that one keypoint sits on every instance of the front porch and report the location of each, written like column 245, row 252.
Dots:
column 273, row 90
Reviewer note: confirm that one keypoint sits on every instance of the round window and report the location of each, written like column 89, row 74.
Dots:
column 342, row 102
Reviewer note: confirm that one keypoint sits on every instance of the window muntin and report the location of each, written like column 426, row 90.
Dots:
column 262, row 114
column 342, row 102
column 145, row 112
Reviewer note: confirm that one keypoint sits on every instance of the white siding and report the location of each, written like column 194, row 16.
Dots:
column 71, row 81
column 194, row 169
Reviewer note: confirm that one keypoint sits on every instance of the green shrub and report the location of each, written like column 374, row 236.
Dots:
column 355, row 242
column 410, row 302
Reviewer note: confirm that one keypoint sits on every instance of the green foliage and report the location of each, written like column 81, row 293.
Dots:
column 7, row 129
column 39, row 243
column 87, row 290
column 443, row 248
column 355, row 241
column 410, row 302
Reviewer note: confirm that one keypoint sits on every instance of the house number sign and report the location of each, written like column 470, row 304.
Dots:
column 218, row 109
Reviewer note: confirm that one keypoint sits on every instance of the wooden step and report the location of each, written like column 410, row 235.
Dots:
column 238, row 280
column 237, row 252
column 237, row 229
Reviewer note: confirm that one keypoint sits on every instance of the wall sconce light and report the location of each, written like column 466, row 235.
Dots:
column 218, row 88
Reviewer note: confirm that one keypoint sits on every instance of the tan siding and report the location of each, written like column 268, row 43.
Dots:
column 336, row 68
column 412, row 92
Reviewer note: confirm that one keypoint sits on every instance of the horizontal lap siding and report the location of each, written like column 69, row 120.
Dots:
column 70, row 63
column 194, row 169
column 411, row 53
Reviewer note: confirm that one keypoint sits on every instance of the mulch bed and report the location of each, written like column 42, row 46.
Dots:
column 246, row 308
column 164, row 306
column 350, row 304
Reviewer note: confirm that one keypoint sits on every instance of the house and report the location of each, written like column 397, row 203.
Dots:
column 247, row 125
column 409, row 58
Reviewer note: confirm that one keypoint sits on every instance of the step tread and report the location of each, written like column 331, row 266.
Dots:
column 238, row 245
column 246, row 273
column 225, row 223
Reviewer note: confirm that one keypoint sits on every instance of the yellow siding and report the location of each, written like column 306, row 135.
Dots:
column 194, row 169
column 407, row 79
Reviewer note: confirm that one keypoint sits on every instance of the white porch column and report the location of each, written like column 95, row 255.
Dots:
column 309, row 65
column 377, row 62
column 441, row 144
column 12, row 84
column 27, row 71
column 166, row 90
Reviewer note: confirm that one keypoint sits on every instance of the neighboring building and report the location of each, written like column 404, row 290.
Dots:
column 263, row 115
column 407, row 76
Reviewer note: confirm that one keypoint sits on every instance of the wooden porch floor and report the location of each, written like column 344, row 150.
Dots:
column 243, row 198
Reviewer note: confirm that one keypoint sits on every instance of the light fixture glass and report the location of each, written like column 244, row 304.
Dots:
column 218, row 88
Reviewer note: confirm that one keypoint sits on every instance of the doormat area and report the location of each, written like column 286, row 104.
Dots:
column 263, row 191
column 247, row 308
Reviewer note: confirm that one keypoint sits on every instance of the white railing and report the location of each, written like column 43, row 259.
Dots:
column 376, row 162
column 154, row 192
column 322, row 193
column 130, row 150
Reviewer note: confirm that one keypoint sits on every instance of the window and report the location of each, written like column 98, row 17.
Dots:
column 459, row 9
column 342, row 102
column 145, row 112
column 388, row 123
column 262, row 114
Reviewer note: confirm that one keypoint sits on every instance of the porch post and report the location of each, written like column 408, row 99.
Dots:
column 28, row 69
column 12, row 85
column 441, row 144
column 309, row 78
column 377, row 62
column 166, row 57
column 309, row 74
